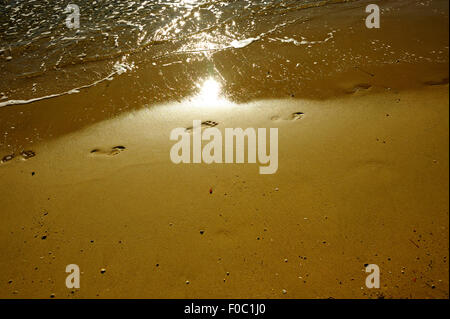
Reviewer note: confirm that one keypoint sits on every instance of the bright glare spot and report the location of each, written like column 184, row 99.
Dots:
column 209, row 92
column 210, row 95
column 210, row 88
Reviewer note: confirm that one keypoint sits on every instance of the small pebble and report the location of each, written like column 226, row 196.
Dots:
column 284, row 291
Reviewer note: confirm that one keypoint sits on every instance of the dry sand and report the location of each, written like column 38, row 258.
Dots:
column 362, row 178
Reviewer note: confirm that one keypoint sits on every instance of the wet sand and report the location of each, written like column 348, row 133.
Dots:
column 362, row 177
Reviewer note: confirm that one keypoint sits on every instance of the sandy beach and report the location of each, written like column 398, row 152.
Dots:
column 363, row 163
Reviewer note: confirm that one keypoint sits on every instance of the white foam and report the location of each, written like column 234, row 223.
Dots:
column 329, row 37
column 238, row 44
column 119, row 68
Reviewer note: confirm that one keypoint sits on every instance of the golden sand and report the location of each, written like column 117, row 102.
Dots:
column 362, row 178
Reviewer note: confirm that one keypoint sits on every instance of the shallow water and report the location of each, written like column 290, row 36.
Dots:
column 35, row 41
column 40, row 56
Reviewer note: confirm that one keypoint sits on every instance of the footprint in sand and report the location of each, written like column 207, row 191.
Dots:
column 297, row 116
column 8, row 158
column 203, row 125
column 435, row 83
column 25, row 154
column 111, row 152
column 275, row 118
column 293, row 117
column 359, row 87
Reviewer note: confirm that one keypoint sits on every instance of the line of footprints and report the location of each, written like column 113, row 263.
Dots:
column 27, row 154
column 24, row 155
